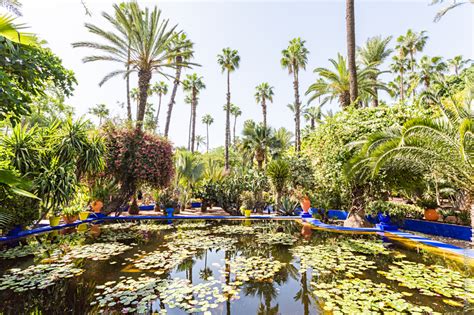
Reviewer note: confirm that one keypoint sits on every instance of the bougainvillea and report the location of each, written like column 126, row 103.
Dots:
column 137, row 158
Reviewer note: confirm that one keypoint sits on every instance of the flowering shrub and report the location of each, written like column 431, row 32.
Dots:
column 137, row 158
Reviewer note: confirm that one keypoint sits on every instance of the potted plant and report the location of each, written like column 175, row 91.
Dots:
column 248, row 203
column 157, row 198
column 304, row 202
column 430, row 206
column 70, row 214
column 55, row 217
column 169, row 202
column 100, row 192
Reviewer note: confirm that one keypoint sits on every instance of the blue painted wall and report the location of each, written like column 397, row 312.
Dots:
column 441, row 229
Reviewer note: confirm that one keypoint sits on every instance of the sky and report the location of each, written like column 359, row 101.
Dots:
column 259, row 30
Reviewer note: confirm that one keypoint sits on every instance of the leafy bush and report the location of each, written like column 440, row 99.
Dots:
column 397, row 211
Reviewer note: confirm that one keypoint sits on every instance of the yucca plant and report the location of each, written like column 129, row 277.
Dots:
column 278, row 172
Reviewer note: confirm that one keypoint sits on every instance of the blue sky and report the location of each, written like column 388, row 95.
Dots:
column 259, row 30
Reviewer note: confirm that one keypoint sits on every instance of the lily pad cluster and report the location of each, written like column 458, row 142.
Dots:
column 164, row 260
column 19, row 251
column 96, row 251
column 145, row 227
column 331, row 258
column 278, row 238
column 432, row 280
column 115, row 235
column 38, row 276
column 253, row 268
column 192, row 225
column 234, row 229
column 356, row 296
column 368, row 247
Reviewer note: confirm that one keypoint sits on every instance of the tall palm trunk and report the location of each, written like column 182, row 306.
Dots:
column 129, row 106
column 189, row 127
column 207, row 137
column 193, row 115
column 350, row 30
column 235, row 123
column 412, row 61
column 297, row 108
column 157, row 117
column 312, row 123
column 402, row 88
column 227, row 124
column 264, row 111
column 144, row 77
column 179, row 59
column 375, row 100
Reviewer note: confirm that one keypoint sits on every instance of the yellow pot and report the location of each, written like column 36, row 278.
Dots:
column 83, row 215
column 54, row 221
column 82, row 227
column 247, row 213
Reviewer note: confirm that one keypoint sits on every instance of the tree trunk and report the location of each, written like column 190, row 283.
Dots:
column 264, row 111
column 235, row 123
column 227, row 124
column 402, row 88
column 207, row 138
column 356, row 217
column 173, row 96
column 193, row 129
column 190, row 124
column 350, row 30
column 297, row 108
column 313, row 123
column 144, row 77
column 158, row 112
column 412, row 60
column 129, row 106
column 375, row 99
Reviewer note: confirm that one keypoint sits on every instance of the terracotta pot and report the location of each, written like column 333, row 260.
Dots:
column 97, row 205
column 305, row 204
column 306, row 231
column 95, row 230
column 68, row 219
column 431, row 215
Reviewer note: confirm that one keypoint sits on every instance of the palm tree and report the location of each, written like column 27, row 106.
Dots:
column 449, row 7
column 12, row 31
column 458, row 63
column 444, row 145
column 351, row 45
column 200, row 140
column 12, row 6
column 281, row 142
column 159, row 89
column 207, row 120
column 229, row 61
column 374, row 54
column 235, row 112
column 101, row 111
column 400, row 65
column 295, row 57
column 255, row 141
column 263, row 93
column 146, row 37
column 183, row 49
column 336, row 84
column 411, row 43
column 188, row 99
column 429, row 67
column 313, row 115
column 193, row 84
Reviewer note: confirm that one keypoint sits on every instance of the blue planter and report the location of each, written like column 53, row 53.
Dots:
column 16, row 229
column 169, row 212
column 196, row 205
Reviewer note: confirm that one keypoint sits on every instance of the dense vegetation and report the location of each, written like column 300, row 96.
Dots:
column 415, row 144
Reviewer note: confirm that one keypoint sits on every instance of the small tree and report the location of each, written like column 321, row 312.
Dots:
column 279, row 173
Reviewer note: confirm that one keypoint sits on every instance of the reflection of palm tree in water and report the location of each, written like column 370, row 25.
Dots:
column 303, row 294
column 206, row 272
column 266, row 291
column 227, row 257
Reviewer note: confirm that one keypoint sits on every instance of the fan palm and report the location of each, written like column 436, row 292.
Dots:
column 207, row 120
column 255, row 141
column 229, row 61
column 294, row 58
column 282, row 142
column 200, row 140
column 458, row 63
column 374, row 54
column 313, row 115
column 101, row 111
column 263, row 93
column 444, row 145
column 13, row 31
column 400, row 65
column 336, row 84
column 183, row 51
column 193, row 84
column 411, row 43
column 142, row 43
column 430, row 66
column 160, row 89
column 235, row 112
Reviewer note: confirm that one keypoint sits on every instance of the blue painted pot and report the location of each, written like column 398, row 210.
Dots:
column 196, row 205
column 169, row 212
column 16, row 229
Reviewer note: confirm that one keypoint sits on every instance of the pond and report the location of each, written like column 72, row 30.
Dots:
column 225, row 267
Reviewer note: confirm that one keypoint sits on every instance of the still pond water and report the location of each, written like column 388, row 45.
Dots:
column 226, row 267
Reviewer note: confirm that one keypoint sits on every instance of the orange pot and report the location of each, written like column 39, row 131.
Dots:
column 96, row 206
column 68, row 219
column 305, row 204
column 306, row 231
column 431, row 215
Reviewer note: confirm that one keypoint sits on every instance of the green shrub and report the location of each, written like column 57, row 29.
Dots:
column 397, row 211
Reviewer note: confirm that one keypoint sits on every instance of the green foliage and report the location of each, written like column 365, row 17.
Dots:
column 278, row 172
column 25, row 72
column 397, row 211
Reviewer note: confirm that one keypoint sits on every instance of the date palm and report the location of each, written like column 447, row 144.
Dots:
column 200, row 140
column 374, row 53
column 229, row 61
column 101, row 111
column 183, row 48
column 12, row 6
column 429, row 67
column 160, row 89
column 458, row 63
column 294, row 58
column 235, row 112
column 411, row 43
column 333, row 85
column 207, row 120
column 263, row 93
column 449, row 7
column 140, row 39
column 314, row 115
column 444, row 145
column 351, row 46
column 193, row 85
